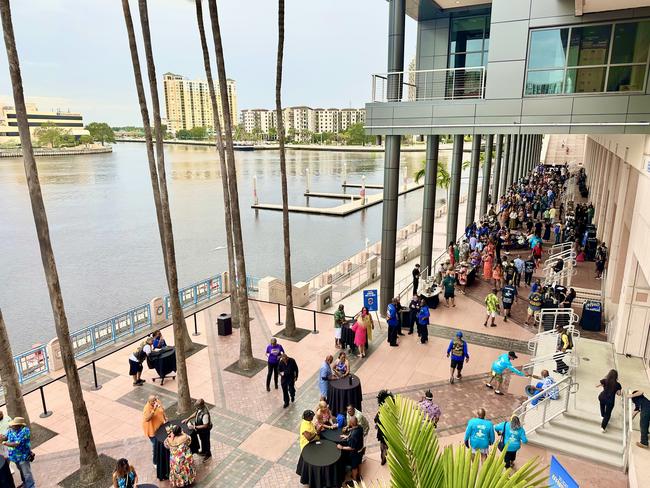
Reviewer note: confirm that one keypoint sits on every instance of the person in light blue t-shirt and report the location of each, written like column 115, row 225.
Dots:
column 479, row 434
column 499, row 367
column 514, row 436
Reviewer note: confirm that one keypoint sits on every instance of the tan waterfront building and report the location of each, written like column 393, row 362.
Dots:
column 188, row 105
column 69, row 121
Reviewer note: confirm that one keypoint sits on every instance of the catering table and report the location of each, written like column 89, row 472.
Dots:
column 6, row 480
column 431, row 297
column 333, row 435
column 347, row 337
column 164, row 362
column 319, row 465
column 160, row 452
column 343, row 392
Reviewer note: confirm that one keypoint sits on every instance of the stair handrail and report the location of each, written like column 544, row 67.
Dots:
column 563, row 246
column 566, row 256
column 628, row 414
column 572, row 317
column 569, row 357
column 533, row 341
column 565, row 389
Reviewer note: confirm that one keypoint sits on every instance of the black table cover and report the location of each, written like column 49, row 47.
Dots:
column 432, row 301
column 6, row 480
column 344, row 392
column 164, row 362
column 333, row 435
column 160, row 452
column 319, row 465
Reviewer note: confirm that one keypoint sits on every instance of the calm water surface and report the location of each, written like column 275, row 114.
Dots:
column 105, row 237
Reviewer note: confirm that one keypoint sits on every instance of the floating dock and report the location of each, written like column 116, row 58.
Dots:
column 342, row 210
column 337, row 196
column 372, row 186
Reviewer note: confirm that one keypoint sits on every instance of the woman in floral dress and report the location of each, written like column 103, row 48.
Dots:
column 181, row 464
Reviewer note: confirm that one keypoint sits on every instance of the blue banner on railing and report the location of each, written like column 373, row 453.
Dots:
column 559, row 477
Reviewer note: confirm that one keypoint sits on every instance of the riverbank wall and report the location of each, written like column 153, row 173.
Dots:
column 18, row 153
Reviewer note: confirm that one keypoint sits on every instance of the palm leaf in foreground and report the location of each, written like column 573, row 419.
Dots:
column 415, row 460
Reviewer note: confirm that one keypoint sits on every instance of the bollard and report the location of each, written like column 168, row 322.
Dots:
column 279, row 322
column 96, row 387
column 196, row 330
column 314, row 331
column 46, row 413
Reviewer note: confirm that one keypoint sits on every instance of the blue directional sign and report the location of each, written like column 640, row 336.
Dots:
column 559, row 477
column 370, row 300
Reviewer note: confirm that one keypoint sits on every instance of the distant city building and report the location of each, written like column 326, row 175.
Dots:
column 69, row 121
column 188, row 103
column 301, row 121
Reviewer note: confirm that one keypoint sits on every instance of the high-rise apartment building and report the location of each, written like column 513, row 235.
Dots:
column 327, row 120
column 188, row 104
column 351, row 116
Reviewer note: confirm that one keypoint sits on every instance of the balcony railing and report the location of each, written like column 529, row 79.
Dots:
column 432, row 84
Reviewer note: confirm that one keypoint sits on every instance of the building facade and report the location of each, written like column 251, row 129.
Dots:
column 188, row 105
column 70, row 122
column 301, row 121
column 507, row 71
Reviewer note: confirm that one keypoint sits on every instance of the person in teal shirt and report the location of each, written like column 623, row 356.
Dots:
column 514, row 436
column 502, row 364
column 479, row 434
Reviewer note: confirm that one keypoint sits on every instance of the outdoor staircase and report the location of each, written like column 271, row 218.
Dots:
column 577, row 433
column 574, row 425
column 558, row 144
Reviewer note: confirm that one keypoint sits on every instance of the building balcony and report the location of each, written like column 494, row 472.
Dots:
column 433, row 84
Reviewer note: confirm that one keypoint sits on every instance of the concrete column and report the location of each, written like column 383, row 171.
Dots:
column 396, row 20
column 498, row 161
column 595, row 191
column 473, row 180
column 610, row 207
column 487, row 172
column 524, row 156
column 429, row 201
column 503, row 183
column 454, row 188
column 602, row 194
column 513, row 159
column 520, row 159
column 617, row 230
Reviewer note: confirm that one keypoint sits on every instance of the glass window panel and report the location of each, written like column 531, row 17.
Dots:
column 548, row 48
column 589, row 45
column 544, row 82
column 467, row 34
column 585, row 80
column 473, row 59
column 626, row 78
column 631, row 40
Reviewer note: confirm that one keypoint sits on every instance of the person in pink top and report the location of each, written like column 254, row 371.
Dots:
column 360, row 336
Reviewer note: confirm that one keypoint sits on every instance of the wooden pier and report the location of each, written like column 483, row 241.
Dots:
column 342, row 210
column 337, row 196
column 371, row 186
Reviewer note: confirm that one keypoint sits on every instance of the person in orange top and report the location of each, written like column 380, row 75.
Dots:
column 153, row 416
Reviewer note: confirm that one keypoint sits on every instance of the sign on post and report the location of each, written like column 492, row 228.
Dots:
column 559, row 477
column 370, row 300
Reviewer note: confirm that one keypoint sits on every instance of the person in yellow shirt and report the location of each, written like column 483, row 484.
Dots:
column 153, row 416
column 307, row 429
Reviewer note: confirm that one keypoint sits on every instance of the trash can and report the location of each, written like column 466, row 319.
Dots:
column 592, row 315
column 224, row 324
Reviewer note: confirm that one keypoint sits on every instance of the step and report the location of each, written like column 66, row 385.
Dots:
column 589, row 423
column 615, row 424
column 582, row 437
column 593, row 453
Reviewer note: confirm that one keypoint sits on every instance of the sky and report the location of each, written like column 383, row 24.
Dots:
column 74, row 53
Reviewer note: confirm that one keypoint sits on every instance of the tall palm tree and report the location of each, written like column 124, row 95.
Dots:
column 161, row 202
column 90, row 468
column 232, row 275
column 290, row 319
column 415, row 460
column 246, row 360
column 9, row 377
column 443, row 178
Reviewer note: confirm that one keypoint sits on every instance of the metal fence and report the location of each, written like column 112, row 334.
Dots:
column 31, row 364
column 540, row 409
column 196, row 293
column 431, row 84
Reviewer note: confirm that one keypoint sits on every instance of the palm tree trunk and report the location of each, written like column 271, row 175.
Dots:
column 246, row 360
column 232, row 274
column 90, row 468
column 159, row 187
column 290, row 320
column 9, row 376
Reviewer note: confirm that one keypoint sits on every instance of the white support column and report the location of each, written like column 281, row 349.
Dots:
column 617, row 230
column 611, row 207
column 604, row 194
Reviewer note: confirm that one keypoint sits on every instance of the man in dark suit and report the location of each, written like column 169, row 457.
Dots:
column 288, row 377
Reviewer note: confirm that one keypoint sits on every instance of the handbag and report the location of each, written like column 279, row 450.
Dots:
column 502, row 440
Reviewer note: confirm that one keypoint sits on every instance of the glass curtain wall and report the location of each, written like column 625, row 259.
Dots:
column 588, row 59
column 468, row 53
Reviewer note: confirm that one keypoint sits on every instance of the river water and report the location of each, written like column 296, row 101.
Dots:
column 105, row 236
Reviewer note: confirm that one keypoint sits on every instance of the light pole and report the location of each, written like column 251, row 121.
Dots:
column 363, row 189
column 308, row 180
column 255, row 199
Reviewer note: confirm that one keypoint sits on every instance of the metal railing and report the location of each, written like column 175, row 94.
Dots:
column 431, row 84
column 550, row 318
column 406, row 283
column 570, row 358
column 537, row 338
column 558, row 248
column 31, row 364
column 545, row 409
column 198, row 292
column 95, row 336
